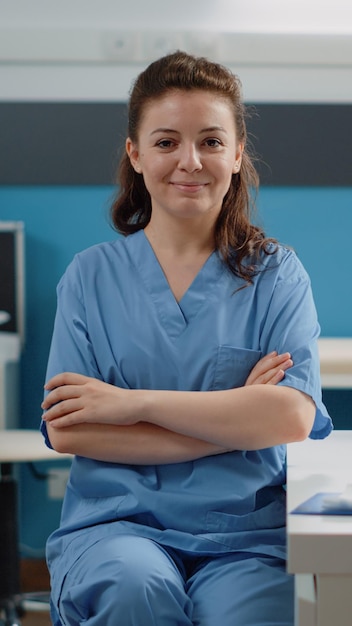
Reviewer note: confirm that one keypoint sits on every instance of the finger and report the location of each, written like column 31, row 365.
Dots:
column 275, row 372
column 262, row 366
column 269, row 362
column 62, row 409
column 286, row 364
column 59, row 394
column 276, row 377
column 275, row 360
column 258, row 376
column 65, row 378
column 75, row 417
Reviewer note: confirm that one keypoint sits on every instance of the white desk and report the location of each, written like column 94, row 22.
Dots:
column 320, row 546
column 24, row 446
column 336, row 362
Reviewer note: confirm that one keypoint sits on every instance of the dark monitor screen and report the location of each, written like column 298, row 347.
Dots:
column 11, row 279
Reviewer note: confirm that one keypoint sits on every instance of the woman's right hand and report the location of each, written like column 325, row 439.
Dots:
column 76, row 399
column 270, row 369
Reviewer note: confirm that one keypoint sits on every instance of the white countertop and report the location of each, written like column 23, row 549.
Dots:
column 319, row 543
column 335, row 361
column 25, row 445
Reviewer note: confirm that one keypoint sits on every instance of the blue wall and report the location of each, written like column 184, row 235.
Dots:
column 317, row 223
column 59, row 221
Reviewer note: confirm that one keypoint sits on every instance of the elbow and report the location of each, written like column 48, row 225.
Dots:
column 302, row 429
column 59, row 439
column 302, row 414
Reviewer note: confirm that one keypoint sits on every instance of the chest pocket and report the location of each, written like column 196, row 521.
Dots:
column 233, row 366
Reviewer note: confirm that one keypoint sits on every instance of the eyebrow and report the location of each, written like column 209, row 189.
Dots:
column 204, row 130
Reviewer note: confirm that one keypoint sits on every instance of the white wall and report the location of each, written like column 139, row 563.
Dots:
column 235, row 15
column 283, row 50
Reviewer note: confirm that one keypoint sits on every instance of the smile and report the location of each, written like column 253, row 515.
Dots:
column 188, row 187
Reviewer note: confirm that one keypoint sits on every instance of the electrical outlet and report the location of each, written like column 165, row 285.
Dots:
column 121, row 47
column 57, row 481
column 206, row 44
column 158, row 43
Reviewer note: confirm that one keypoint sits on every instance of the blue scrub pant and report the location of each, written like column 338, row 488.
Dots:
column 132, row 581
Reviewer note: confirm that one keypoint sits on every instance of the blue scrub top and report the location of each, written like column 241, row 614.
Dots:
column 117, row 320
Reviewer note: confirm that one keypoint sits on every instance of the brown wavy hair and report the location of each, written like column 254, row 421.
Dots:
column 239, row 242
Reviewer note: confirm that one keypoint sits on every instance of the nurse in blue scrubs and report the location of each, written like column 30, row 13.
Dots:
column 183, row 359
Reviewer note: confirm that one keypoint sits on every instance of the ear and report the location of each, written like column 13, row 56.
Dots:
column 133, row 155
column 238, row 160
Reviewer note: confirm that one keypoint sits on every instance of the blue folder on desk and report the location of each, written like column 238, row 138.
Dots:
column 324, row 503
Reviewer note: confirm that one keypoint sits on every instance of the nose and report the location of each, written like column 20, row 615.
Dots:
column 189, row 158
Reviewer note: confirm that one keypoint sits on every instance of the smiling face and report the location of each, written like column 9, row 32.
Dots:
column 187, row 152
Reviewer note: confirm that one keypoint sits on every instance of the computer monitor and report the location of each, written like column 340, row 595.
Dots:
column 12, row 278
column 12, row 316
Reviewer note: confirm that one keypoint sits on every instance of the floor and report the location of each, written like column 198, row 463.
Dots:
column 34, row 576
column 34, row 585
column 33, row 618
column 35, row 613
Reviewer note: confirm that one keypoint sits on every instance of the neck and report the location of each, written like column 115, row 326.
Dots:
column 180, row 254
column 182, row 239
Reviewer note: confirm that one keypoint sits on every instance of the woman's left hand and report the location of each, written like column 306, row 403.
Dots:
column 74, row 399
column 270, row 369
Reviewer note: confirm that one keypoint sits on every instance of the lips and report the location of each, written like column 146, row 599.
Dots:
column 188, row 187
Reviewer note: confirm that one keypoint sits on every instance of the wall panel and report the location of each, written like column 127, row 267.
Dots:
column 79, row 143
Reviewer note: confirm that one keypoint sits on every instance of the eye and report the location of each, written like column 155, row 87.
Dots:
column 212, row 142
column 165, row 143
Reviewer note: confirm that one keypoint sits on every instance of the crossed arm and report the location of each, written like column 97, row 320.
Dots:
column 88, row 417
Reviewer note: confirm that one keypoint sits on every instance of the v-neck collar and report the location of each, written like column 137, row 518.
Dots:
column 174, row 316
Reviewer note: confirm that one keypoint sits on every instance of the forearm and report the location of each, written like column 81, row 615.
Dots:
column 181, row 425
column 138, row 444
column 253, row 417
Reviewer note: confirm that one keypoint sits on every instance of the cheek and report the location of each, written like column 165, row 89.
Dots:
column 225, row 171
column 154, row 170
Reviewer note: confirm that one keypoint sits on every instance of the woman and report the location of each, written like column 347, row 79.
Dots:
column 183, row 359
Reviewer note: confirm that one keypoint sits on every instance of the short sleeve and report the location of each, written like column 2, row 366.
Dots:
column 71, row 349
column 291, row 325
